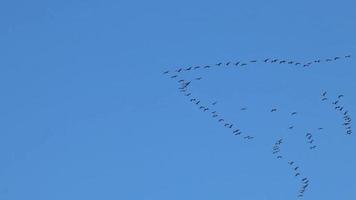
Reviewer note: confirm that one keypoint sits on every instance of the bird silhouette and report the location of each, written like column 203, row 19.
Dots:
column 274, row 110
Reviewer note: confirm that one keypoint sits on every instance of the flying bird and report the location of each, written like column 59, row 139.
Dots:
column 219, row 64
column 244, row 108
column 294, row 113
column 214, row 103
column 274, row 110
column 340, row 96
column 166, row 72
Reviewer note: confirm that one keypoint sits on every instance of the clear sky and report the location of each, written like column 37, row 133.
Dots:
column 86, row 112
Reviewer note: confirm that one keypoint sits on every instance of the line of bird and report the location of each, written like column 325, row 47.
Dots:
column 266, row 60
column 341, row 110
column 214, row 114
column 310, row 140
column 296, row 169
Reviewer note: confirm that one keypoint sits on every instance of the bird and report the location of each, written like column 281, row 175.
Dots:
column 311, row 141
column 320, row 128
column 218, row 64
column 328, row 60
column 201, row 107
column 312, row 147
column 244, row 108
column 297, row 174
column 298, row 63
column 335, row 102
column 179, row 70
column 275, row 60
column 237, row 130
column 214, row 103
column 166, row 72
column 274, row 110
column 199, row 78
column 220, row 120
column 291, row 127
column 324, row 93
column 266, row 60
column 336, row 58
column 189, row 68
column 228, row 63
column 230, row 126
column 324, row 99
column 207, row 66
column 253, row 61
column 213, row 112
column 226, row 124
column 206, row 109
column 279, row 157
column 304, row 179
column 197, row 67
column 296, row 168
column 175, row 76
column 192, row 100
column 197, row 102
column 290, row 62
column 291, row 162
column 294, row 113
column 188, row 94
column 215, row 115
column 348, row 56
column 243, row 64
column 340, row 96
column 237, row 133
column 282, row 61
column 237, row 63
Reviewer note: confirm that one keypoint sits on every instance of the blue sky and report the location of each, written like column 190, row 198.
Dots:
column 87, row 114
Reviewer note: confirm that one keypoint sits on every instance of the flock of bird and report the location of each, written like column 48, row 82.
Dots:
column 209, row 108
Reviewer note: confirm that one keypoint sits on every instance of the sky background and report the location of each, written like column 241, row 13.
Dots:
column 87, row 114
